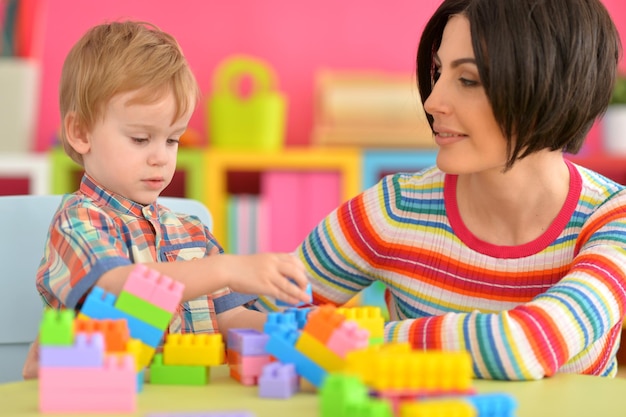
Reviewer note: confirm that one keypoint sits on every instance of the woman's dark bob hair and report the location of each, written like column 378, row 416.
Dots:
column 547, row 66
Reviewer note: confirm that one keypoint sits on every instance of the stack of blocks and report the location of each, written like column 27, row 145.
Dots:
column 186, row 359
column 317, row 344
column 84, row 365
column 247, row 355
column 147, row 302
column 410, row 384
column 95, row 362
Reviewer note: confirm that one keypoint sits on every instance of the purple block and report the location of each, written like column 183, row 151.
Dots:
column 247, row 342
column 87, row 352
column 278, row 380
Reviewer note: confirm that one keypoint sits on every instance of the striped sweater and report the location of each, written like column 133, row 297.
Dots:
column 523, row 312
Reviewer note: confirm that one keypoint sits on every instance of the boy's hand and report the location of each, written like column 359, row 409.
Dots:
column 278, row 275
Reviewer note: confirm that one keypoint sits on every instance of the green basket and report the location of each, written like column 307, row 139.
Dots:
column 254, row 122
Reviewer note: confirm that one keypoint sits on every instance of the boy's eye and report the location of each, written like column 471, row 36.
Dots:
column 139, row 140
column 172, row 141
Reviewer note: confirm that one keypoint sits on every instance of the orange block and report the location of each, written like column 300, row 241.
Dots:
column 116, row 332
column 322, row 322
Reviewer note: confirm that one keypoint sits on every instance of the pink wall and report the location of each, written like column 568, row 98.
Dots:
column 297, row 38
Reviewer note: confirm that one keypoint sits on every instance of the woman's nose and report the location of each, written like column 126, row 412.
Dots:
column 436, row 102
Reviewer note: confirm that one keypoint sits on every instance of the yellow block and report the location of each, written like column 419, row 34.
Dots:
column 193, row 349
column 319, row 353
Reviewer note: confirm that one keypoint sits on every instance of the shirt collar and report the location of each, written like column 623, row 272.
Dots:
column 91, row 189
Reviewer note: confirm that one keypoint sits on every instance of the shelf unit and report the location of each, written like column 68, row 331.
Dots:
column 345, row 161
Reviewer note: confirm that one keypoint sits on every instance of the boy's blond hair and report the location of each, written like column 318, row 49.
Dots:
column 120, row 57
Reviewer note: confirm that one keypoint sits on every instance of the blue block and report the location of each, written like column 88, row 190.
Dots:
column 280, row 320
column 281, row 345
column 494, row 404
column 99, row 305
column 302, row 315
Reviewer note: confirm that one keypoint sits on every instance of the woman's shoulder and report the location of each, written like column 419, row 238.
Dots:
column 429, row 179
column 598, row 189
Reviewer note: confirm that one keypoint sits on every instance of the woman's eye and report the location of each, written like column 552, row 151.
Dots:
column 436, row 74
column 468, row 83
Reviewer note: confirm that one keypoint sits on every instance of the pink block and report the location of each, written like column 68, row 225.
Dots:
column 167, row 294
column 141, row 281
column 157, row 289
column 116, row 373
column 87, row 400
column 347, row 337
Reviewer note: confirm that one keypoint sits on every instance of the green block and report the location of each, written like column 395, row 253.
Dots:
column 177, row 374
column 340, row 392
column 57, row 328
column 143, row 310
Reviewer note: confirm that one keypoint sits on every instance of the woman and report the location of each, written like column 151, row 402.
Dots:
column 504, row 249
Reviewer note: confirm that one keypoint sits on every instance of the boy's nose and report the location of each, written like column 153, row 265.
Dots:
column 159, row 155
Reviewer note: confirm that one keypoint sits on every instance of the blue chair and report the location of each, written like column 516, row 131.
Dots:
column 24, row 223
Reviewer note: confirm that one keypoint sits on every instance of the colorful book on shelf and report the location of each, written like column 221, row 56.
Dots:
column 296, row 202
column 245, row 218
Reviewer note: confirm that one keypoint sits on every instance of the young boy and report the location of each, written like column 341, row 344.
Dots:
column 126, row 96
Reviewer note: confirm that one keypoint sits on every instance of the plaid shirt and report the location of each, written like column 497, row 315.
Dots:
column 94, row 231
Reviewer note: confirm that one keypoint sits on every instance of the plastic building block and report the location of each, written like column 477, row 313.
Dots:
column 414, row 373
column 111, row 388
column 87, row 352
column 278, row 381
column 177, row 374
column 301, row 315
column 140, row 282
column 142, row 353
column 493, row 404
column 367, row 317
column 99, row 304
column 319, row 353
column 247, row 369
column 281, row 345
column 193, row 349
column 143, row 310
column 57, row 328
column 115, row 332
column 436, row 408
column 247, row 342
column 284, row 320
column 348, row 337
column 308, row 290
column 343, row 395
column 154, row 288
column 322, row 322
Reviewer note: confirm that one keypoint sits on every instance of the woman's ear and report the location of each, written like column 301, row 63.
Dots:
column 76, row 134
